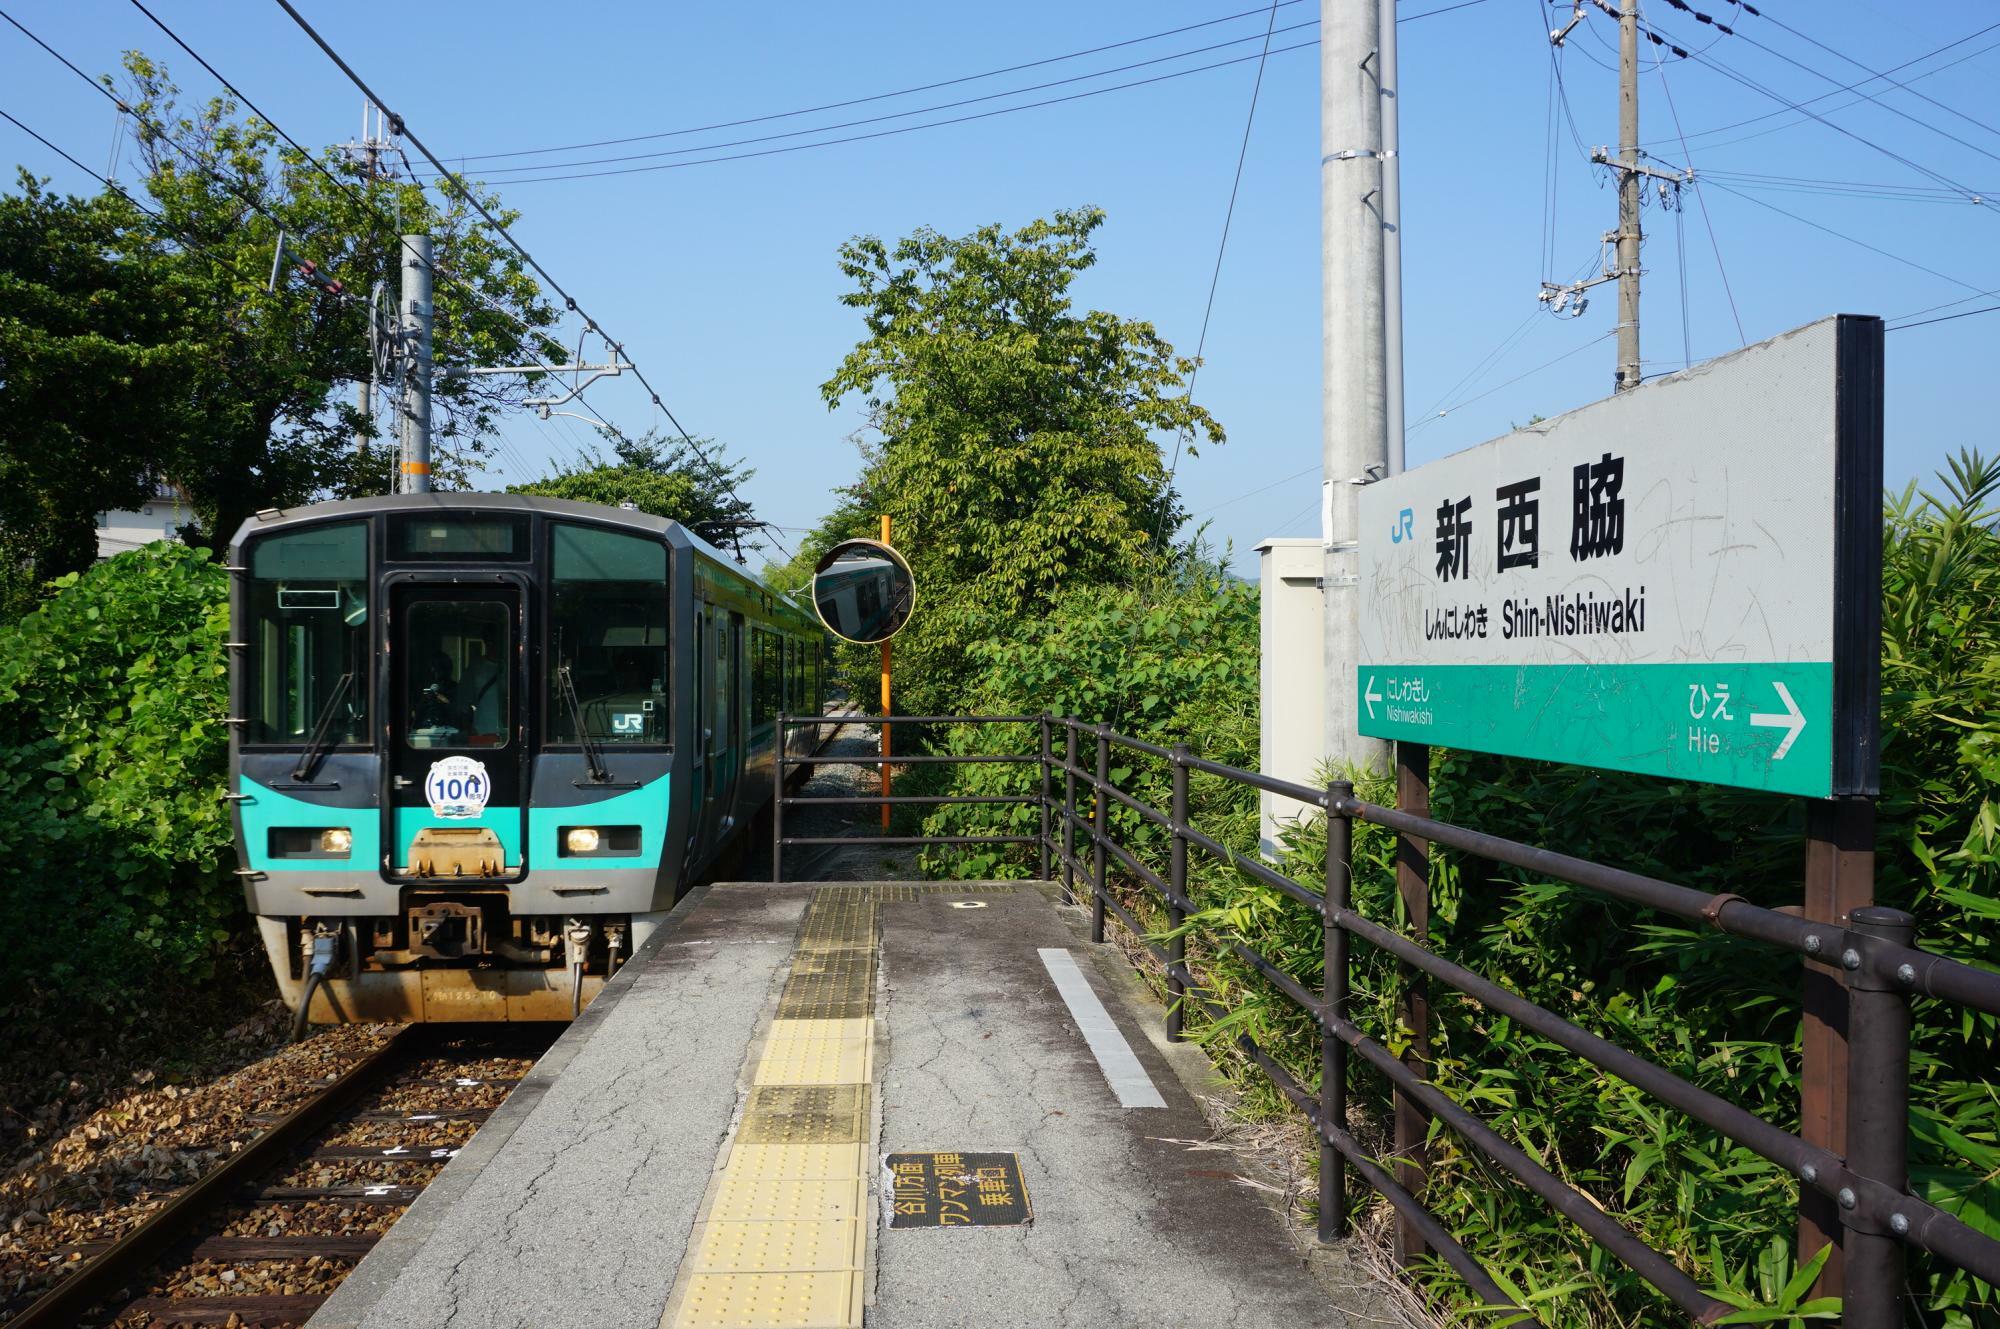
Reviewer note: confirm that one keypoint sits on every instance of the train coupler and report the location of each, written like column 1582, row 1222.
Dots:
column 576, row 950
column 322, row 953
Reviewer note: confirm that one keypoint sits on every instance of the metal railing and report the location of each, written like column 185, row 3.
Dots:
column 787, row 762
column 1868, row 1182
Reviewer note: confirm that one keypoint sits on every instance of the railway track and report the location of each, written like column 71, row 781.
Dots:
column 266, row 1236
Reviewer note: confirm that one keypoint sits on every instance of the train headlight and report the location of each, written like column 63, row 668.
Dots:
column 582, row 839
column 337, row 840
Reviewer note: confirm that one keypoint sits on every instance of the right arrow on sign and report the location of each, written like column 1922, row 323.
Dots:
column 1371, row 696
column 1792, row 720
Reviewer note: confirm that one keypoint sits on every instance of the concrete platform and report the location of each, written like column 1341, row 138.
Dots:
column 707, row 1144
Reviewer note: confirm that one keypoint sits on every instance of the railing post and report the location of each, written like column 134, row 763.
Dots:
column 1177, row 878
column 1333, row 1005
column 778, row 808
column 1069, row 812
column 1042, row 844
column 1839, row 878
column 1100, row 818
column 1878, row 1123
column 1413, row 888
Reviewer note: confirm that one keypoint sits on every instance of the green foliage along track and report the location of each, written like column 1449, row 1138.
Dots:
column 113, row 746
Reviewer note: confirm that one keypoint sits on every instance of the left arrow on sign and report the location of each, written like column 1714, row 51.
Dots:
column 1792, row 721
column 1371, row 696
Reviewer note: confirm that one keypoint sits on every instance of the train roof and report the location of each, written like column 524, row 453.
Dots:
column 674, row 533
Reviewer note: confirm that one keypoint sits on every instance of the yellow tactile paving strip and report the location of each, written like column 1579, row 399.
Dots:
column 783, row 1239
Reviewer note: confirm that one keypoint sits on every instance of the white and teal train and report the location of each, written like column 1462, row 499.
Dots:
column 483, row 742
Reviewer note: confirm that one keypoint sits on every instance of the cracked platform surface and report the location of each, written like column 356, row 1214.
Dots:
column 582, row 1215
column 595, row 1190
column 1130, row 1227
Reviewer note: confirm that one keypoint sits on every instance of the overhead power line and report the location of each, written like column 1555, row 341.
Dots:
column 1849, row 87
column 908, row 129
column 1898, row 327
column 933, row 86
column 1721, row 68
column 896, row 115
column 1221, row 248
column 402, row 130
column 879, row 96
column 1777, row 22
column 1842, row 235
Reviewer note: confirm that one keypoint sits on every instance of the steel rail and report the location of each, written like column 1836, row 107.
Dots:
column 107, row 1273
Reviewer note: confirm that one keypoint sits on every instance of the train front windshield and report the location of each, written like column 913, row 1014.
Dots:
column 307, row 651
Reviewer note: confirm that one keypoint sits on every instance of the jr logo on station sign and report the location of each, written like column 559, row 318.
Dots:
column 1683, row 580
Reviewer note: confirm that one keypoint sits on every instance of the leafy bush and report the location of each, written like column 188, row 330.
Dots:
column 1715, row 1010
column 113, row 754
column 1171, row 659
column 1180, row 666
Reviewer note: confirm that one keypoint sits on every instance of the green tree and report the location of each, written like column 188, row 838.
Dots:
column 237, row 395
column 1011, row 439
column 89, row 359
column 693, row 483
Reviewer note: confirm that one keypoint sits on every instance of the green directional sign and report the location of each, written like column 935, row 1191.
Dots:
column 1682, row 581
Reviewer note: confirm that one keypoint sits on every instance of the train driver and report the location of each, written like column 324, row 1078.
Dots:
column 483, row 689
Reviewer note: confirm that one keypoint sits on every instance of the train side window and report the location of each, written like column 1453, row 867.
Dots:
column 608, row 626
column 306, row 661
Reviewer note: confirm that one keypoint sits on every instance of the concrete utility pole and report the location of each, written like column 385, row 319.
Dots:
column 367, row 150
column 414, row 474
column 1630, row 181
column 1392, row 238
column 1353, row 417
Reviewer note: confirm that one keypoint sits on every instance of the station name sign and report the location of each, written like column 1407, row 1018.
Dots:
column 1683, row 580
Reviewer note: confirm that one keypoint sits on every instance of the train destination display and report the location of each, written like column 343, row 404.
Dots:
column 1683, row 580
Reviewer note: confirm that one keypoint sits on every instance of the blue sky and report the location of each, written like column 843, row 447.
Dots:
column 721, row 277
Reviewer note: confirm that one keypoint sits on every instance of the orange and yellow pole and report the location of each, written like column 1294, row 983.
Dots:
column 885, row 707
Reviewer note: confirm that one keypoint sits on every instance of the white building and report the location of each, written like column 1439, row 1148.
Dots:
column 160, row 519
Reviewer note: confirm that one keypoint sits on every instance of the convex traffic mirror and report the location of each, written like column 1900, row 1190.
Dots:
column 863, row 591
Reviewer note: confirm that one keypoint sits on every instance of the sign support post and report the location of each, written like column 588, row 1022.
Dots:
column 1413, row 887
column 885, row 706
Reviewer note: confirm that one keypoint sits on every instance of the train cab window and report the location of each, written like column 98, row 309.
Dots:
column 306, row 661
column 460, row 689
column 608, row 635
